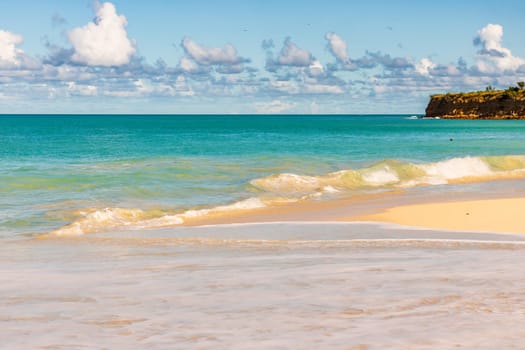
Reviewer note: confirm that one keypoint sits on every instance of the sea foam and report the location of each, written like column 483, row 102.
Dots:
column 395, row 173
column 121, row 218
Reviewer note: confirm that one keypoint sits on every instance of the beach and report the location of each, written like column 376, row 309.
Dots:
column 235, row 232
column 262, row 175
column 281, row 285
column 491, row 215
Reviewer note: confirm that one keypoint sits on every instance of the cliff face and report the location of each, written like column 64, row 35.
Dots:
column 502, row 104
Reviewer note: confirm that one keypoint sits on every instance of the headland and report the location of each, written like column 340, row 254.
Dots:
column 488, row 104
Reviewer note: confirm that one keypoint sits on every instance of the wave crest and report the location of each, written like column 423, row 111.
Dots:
column 107, row 219
column 394, row 173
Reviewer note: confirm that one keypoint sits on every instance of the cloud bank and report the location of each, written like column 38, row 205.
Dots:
column 102, row 62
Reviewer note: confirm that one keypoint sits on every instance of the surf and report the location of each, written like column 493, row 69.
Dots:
column 289, row 188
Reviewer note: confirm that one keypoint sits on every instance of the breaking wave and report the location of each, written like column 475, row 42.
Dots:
column 100, row 220
column 287, row 188
column 396, row 174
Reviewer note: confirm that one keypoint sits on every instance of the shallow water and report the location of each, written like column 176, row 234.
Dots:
column 110, row 172
column 271, row 286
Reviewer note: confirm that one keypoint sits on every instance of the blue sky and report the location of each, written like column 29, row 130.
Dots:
column 78, row 56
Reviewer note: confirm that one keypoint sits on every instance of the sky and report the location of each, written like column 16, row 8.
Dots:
column 244, row 57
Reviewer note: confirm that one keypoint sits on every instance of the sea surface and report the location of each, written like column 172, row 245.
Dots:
column 82, row 174
column 95, row 253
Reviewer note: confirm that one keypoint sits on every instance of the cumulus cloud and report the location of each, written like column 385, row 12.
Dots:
column 493, row 57
column 316, row 69
column 201, row 60
column 9, row 53
column 424, row 66
column 226, row 55
column 292, row 55
column 102, row 62
column 188, row 65
column 338, row 47
column 103, row 42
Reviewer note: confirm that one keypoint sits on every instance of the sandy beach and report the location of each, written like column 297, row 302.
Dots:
column 492, row 212
column 484, row 215
column 264, row 286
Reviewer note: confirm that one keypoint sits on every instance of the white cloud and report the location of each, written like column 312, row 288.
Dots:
column 9, row 53
column 275, row 106
column 188, row 65
column 226, row 55
column 292, row 55
column 424, row 66
column 103, row 42
column 145, row 88
column 81, row 90
column 493, row 57
column 338, row 47
column 284, row 86
column 182, row 87
column 316, row 69
column 379, row 89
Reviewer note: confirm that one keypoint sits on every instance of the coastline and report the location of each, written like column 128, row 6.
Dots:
column 496, row 212
column 477, row 207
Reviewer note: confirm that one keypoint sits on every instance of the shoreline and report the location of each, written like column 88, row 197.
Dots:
column 466, row 212
column 491, row 206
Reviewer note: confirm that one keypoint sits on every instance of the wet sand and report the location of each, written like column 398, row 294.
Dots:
column 264, row 286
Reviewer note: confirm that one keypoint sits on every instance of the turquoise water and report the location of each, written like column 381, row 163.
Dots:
column 55, row 170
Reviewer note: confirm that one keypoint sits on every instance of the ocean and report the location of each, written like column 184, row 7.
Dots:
column 100, row 243
column 107, row 172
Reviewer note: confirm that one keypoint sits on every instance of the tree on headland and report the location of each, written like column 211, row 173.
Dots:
column 489, row 88
column 521, row 84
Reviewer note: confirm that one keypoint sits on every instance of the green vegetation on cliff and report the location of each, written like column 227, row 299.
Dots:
column 488, row 104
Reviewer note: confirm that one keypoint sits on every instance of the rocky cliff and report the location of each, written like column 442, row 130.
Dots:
column 500, row 104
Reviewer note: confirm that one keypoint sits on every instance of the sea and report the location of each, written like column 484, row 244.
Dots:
column 101, row 247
